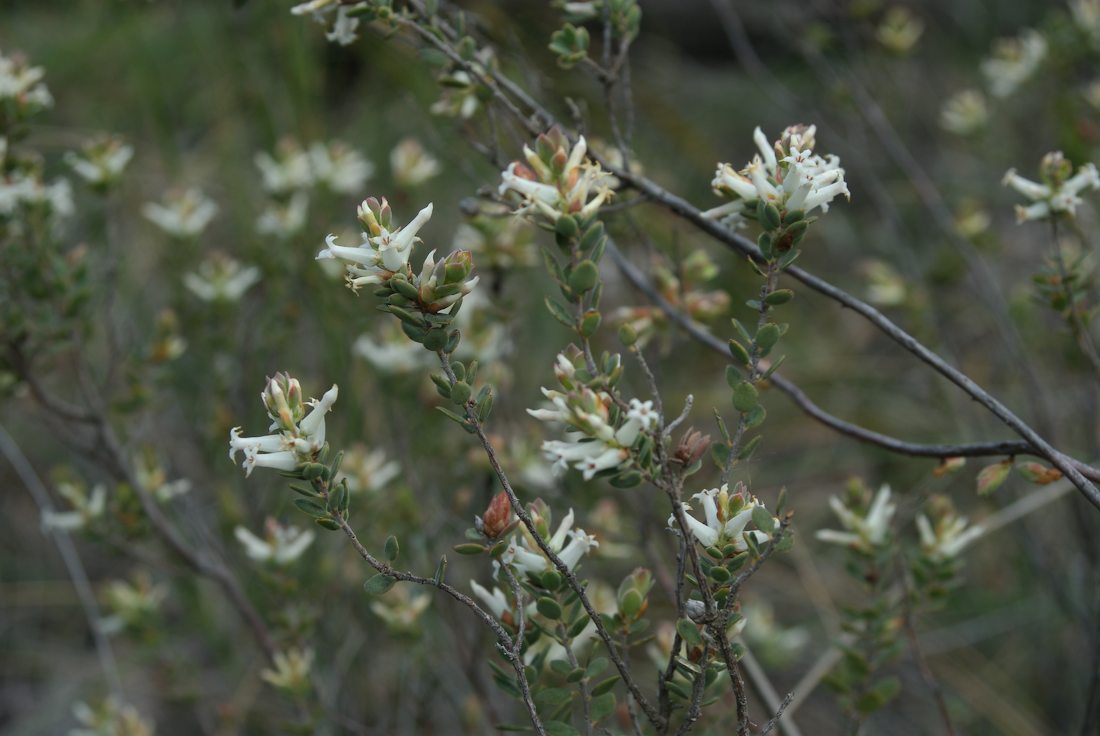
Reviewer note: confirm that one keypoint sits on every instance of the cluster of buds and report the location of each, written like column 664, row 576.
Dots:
column 682, row 287
column 1057, row 190
column 728, row 515
column 298, row 437
column 783, row 180
column 221, row 278
column 600, row 435
column 22, row 92
column 866, row 523
column 557, row 181
column 101, row 161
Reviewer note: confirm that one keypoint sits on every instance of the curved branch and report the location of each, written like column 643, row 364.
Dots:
column 807, row 405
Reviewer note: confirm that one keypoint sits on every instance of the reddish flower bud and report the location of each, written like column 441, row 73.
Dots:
column 693, row 445
column 498, row 518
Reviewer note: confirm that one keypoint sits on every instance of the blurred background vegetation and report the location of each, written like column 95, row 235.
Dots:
column 199, row 87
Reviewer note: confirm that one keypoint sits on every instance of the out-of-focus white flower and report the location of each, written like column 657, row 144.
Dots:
column 774, row 643
column 300, row 435
column 340, row 167
column 131, row 603
column 411, row 164
column 945, row 538
column 1086, row 13
column 1014, row 61
column 221, row 278
column 182, row 214
column 1091, row 93
column 100, row 162
column 392, row 351
column 400, row 609
column 382, row 250
column 863, row 531
column 787, row 174
column 499, row 242
column 153, row 478
column 964, row 112
column 557, row 180
column 288, row 170
column 727, row 515
column 1058, row 191
column 885, row 286
column 22, row 84
column 971, row 219
column 367, row 470
column 282, row 219
column 344, row 26
column 110, row 718
column 26, row 189
column 291, row 670
column 280, row 544
column 85, row 507
column 900, row 30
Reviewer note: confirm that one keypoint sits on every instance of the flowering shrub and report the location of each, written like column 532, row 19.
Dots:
column 565, row 493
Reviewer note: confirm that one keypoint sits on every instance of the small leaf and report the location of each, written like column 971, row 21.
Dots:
column 745, row 396
column 378, row 584
column 469, row 548
column 559, row 313
column 763, row 519
column 549, row 607
column 689, row 632
column 602, row 706
column 392, row 548
column 606, row 685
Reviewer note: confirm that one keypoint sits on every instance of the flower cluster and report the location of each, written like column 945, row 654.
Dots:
column 101, row 161
column 411, row 164
column 221, row 278
column 182, row 214
column 294, row 168
column 1058, row 188
column 964, row 112
column 866, row 527
column 21, row 88
column 290, row 671
column 943, row 538
column 1014, row 61
column 727, row 517
column 110, row 717
column 557, row 181
column 786, row 174
column 131, row 604
column 384, row 249
column 599, row 434
column 281, row 544
column 345, row 24
column 569, row 544
column 26, row 189
column 85, row 507
column 299, row 436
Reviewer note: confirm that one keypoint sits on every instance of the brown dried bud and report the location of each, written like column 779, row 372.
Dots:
column 497, row 520
column 693, row 445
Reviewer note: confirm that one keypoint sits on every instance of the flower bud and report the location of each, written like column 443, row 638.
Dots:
column 693, row 445
column 498, row 519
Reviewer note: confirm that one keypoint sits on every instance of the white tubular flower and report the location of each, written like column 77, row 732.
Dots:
column 85, row 507
column 496, row 601
column 787, row 174
column 100, row 162
column 182, row 214
column 344, row 27
column 300, row 437
column 367, row 470
column 964, row 113
column 383, row 250
column 525, row 556
column 340, row 167
column 280, row 545
column 411, row 164
column 1059, row 192
column 726, row 515
column 579, row 546
column 1014, row 61
column 284, row 219
column 864, row 532
column 288, row 170
column 221, row 278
